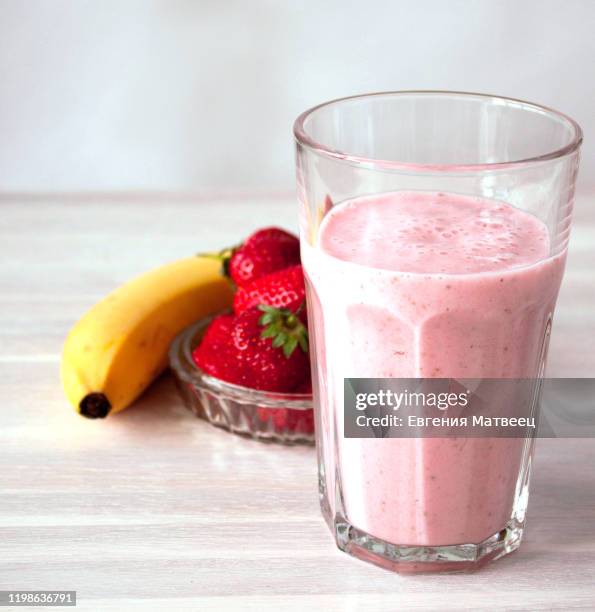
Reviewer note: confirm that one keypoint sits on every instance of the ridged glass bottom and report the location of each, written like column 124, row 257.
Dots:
column 419, row 559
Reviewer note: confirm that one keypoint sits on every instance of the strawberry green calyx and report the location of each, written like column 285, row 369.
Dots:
column 224, row 256
column 285, row 328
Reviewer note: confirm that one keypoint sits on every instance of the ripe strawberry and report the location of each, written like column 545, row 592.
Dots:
column 282, row 289
column 271, row 347
column 304, row 387
column 265, row 251
column 263, row 348
column 215, row 341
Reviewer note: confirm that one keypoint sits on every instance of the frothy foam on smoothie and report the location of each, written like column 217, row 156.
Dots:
column 433, row 233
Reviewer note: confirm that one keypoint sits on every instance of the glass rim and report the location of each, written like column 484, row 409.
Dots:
column 302, row 137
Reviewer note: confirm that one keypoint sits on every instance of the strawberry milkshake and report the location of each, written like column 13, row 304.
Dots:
column 426, row 285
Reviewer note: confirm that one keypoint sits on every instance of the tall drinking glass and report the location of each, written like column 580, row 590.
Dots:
column 434, row 228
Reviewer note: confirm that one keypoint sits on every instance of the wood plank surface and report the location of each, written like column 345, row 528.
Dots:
column 157, row 510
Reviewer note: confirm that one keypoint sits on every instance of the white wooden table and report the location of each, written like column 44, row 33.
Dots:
column 154, row 509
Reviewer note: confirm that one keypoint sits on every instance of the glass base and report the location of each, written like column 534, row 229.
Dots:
column 417, row 559
column 406, row 559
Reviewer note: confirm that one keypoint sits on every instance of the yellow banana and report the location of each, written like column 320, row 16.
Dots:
column 120, row 345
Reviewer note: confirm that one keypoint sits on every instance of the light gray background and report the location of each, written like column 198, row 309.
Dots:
column 190, row 95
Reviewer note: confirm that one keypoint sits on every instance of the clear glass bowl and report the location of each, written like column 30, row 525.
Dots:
column 280, row 417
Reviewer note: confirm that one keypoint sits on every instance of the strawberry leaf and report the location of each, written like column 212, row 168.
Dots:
column 290, row 346
column 285, row 328
column 269, row 332
column 224, row 256
column 280, row 340
column 303, row 341
column 266, row 318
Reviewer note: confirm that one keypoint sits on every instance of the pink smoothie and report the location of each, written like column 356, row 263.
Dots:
column 419, row 284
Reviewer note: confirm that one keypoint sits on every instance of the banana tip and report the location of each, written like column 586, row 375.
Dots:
column 95, row 406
